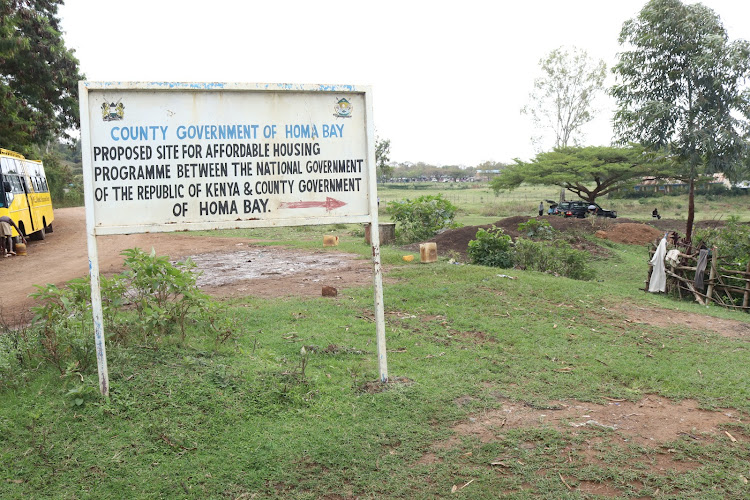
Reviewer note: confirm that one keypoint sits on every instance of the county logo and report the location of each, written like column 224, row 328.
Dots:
column 343, row 108
column 113, row 111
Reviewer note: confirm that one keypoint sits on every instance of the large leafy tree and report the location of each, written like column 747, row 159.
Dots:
column 38, row 76
column 682, row 91
column 563, row 97
column 588, row 172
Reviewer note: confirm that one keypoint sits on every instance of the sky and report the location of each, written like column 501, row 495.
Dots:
column 448, row 78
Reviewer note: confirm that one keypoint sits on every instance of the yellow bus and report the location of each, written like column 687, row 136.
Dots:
column 24, row 194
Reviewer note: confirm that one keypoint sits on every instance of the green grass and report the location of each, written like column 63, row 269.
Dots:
column 244, row 421
column 478, row 200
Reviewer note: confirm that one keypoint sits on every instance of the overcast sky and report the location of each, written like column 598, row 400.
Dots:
column 448, row 78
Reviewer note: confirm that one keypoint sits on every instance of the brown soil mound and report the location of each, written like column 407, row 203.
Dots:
column 456, row 241
column 633, row 234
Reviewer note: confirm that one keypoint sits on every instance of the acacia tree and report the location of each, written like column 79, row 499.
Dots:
column 681, row 91
column 588, row 172
column 38, row 75
column 563, row 98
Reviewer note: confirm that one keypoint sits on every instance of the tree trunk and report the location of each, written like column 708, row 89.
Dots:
column 691, row 214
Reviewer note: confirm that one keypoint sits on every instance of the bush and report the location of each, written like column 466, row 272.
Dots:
column 421, row 219
column 164, row 294
column 732, row 241
column 537, row 229
column 153, row 297
column 558, row 258
column 63, row 326
column 492, row 247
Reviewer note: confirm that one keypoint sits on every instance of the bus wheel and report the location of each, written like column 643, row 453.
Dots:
column 39, row 235
column 49, row 229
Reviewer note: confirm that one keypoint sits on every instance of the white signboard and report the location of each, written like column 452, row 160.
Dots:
column 164, row 156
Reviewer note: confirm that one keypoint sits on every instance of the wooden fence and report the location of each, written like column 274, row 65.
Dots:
column 725, row 283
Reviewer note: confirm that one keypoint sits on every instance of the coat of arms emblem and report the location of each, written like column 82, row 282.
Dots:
column 113, row 111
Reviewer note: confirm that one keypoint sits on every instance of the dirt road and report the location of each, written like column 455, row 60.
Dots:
column 64, row 256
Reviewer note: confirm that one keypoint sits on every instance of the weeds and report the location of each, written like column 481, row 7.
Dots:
column 495, row 249
column 152, row 297
column 63, row 325
column 165, row 295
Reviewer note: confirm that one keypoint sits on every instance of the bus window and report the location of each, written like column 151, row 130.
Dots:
column 7, row 165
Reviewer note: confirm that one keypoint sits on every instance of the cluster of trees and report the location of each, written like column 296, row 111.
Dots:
column 683, row 107
column 421, row 171
column 39, row 93
column 38, row 76
column 387, row 170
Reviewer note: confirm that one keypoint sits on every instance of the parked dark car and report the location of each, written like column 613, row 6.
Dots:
column 580, row 210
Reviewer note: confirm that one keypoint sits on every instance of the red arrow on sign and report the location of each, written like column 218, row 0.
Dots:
column 329, row 204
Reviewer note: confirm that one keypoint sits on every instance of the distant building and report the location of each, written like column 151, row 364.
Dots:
column 653, row 184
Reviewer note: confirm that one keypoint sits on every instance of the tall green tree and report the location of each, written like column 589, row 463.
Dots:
column 681, row 90
column 563, row 97
column 588, row 172
column 382, row 158
column 38, row 76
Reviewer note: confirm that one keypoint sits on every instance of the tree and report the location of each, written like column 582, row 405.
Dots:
column 680, row 91
column 563, row 98
column 38, row 75
column 382, row 152
column 589, row 172
column 65, row 187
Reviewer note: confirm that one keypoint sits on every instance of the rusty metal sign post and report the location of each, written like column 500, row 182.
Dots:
column 165, row 156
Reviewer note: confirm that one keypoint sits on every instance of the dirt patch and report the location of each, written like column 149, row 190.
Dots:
column 376, row 386
column 277, row 272
column 666, row 318
column 651, row 422
column 631, row 233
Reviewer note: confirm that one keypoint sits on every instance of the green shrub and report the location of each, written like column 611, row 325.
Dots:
column 164, row 294
column 492, row 247
column 537, row 229
column 152, row 296
column 557, row 257
column 62, row 322
column 422, row 218
column 732, row 241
